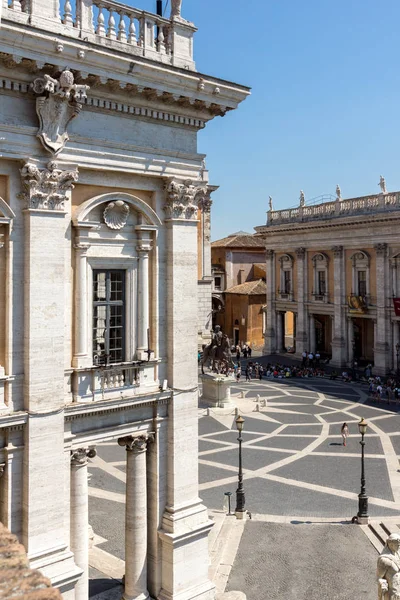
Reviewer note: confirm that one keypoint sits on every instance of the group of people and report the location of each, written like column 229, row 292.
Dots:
column 381, row 392
column 309, row 359
column 244, row 350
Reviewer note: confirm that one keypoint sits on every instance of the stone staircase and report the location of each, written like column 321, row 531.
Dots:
column 378, row 531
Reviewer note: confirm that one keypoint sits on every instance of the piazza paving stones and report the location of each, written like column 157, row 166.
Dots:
column 300, row 464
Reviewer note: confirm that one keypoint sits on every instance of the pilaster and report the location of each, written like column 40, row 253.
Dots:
column 339, row 332
column 45, row 192
column 270, row 329
column 381, row 342
column 302, row 338
column 185, row 524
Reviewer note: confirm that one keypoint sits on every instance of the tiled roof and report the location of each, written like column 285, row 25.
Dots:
column 239, row 241
column 249, row 288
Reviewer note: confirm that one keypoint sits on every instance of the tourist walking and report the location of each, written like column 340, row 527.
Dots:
column 345, row 433
column 304, row 358
column 248, row 373
column 238, row 374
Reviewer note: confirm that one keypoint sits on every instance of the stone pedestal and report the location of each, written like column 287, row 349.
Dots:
column 217, row 390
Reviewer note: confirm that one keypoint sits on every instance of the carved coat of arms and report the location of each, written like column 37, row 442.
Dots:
column 58, row 102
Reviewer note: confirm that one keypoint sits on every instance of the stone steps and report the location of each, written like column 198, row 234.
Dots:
column 378, row 531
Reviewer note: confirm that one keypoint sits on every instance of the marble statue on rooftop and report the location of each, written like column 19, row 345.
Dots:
column 176, row 6
column 270, row 203
column 338, row 192
column 388, row 569
column 302, row 198
column 382, row 184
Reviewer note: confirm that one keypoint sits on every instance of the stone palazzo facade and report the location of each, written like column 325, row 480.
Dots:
column 334, row 268
column 101, row 194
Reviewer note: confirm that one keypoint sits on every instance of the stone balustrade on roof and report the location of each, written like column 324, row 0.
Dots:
column 110, row 24
column 338, row 208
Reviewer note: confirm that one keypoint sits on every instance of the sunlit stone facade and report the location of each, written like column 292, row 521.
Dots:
column 101, row 194
column 335, row 267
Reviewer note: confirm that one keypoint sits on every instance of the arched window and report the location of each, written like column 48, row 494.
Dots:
column 360, row 273
column 320, row 268
column 286, row 277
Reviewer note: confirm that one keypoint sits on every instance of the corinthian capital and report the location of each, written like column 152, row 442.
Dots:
column 184, row 198
column 80, row 456
column 46, row 188
column 136, row 443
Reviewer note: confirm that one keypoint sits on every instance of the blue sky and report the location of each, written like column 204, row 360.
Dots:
column 324, row 109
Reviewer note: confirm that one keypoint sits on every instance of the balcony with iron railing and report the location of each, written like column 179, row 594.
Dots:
column 109, row 24
column 336, row 208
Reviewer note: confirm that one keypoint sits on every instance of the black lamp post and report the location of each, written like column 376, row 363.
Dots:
column 397, row 358
column 240, row 497
column 362, row 515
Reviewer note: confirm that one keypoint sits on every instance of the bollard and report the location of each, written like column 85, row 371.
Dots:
column 257, row 407
column 236, row 412
column 258, row 397
column 242, row 394
column 208, row 412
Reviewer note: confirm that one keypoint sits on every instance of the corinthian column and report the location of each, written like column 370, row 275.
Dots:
column 80, row 517
column 136, row 517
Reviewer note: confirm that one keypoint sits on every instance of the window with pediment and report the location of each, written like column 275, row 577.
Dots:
column 320, row 268
column 286, row 277
column 360, row 274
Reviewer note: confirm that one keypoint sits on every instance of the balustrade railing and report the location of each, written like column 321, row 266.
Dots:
column 338, row 208
column 106, row 22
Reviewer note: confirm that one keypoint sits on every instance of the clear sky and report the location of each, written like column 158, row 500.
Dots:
column 325, row 101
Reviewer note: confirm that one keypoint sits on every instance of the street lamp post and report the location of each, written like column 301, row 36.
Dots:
column 397, row 358
column 240, row 510
column 362, row 515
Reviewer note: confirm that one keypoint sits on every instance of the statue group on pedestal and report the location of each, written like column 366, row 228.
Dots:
column 218, row 353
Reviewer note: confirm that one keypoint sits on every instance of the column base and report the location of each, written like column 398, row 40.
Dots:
column 205, row 592
column 58, row 565
column 140, row 597
column 185, row 554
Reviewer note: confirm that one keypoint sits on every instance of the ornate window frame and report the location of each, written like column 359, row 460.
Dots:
column 360, row 262
column 320, row 263
column 287, row 263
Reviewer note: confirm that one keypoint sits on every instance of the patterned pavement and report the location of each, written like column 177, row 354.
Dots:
column 295, row 466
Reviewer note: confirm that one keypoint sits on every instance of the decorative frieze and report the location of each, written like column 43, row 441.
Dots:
column 183, row 198
column 57, row 104
column 46, row 188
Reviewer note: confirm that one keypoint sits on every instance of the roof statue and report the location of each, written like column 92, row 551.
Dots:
column 382, row 184
column 270, row 203
column 176, row 6
column 338, row 193
column 302, row 198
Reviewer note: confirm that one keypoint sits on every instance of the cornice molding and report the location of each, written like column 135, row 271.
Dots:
column 96, row 102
